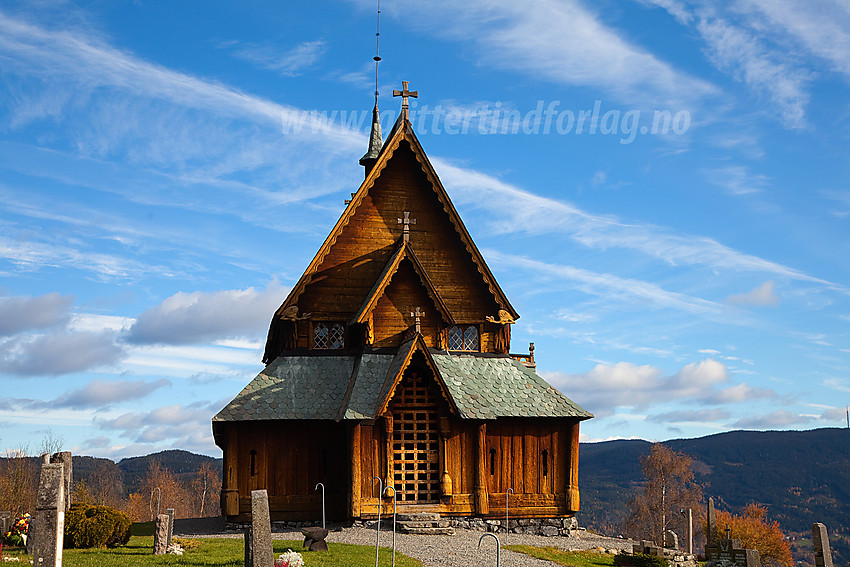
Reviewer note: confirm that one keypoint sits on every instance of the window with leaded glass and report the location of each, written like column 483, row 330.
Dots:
column 463, row 338
column 329, row 335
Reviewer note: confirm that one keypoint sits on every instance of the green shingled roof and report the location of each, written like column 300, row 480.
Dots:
column 491, row 387
column 293, row 387
column 314, row 387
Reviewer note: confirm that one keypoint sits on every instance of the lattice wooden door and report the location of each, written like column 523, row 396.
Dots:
column 416, row 457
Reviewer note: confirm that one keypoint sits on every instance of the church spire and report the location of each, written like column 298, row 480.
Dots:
column 375, row 140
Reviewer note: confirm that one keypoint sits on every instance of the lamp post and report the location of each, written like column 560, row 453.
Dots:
column 507, row 523
column 498, row 546
column 378, row 523
column 323, row 502
column 394, row 512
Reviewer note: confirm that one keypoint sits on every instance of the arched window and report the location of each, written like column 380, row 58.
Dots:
column 463, row 337
column 329, row 335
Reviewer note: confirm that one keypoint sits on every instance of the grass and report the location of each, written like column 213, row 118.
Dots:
column 218, row 552
column 561, row 557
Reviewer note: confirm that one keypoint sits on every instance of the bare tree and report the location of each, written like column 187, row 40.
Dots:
column 51, row 443
column 205, row 488
column 669, row 487
column 18, row 482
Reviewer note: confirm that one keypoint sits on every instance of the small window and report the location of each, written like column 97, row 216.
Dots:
column 329, row 335
column 492, row 462
column 463, row 338
column 545, row 463
column 253, row 462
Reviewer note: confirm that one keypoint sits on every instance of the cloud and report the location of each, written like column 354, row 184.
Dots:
column 606, row 387
column 736, row 179
column 99, row 393
column 286, row 63
column 761, row 295
column 186, row 318
column 176, row 425
column 743, row 392
column 24, row 313
column 59, row 353
column 774, row 420
column 513, row 209
column 561, row 41
column 695, row 416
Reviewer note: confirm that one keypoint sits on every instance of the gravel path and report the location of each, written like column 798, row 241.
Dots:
column 459, row 550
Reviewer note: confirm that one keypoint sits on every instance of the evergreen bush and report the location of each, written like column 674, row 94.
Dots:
column 95, row 526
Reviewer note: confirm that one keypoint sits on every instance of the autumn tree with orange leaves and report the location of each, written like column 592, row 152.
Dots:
column 756, row 532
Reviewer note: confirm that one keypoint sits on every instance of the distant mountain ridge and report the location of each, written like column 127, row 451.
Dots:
column 801, row 477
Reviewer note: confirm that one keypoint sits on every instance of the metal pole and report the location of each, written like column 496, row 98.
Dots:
column 507, row 523
column 394, row 512
column 323, row 502
column 498, row 546
column 378, row 523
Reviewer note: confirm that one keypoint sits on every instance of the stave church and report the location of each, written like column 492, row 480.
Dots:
column 391, row 358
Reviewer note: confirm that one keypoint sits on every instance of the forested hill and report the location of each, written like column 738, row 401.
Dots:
column 801, row 476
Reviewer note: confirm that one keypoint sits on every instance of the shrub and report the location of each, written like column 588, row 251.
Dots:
column 95, row 526
column 756, row 532
column 640, row 560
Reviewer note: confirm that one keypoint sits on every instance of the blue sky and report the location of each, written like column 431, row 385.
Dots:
column 659, row 186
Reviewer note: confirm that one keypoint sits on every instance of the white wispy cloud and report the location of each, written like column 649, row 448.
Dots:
column 23, row 313
column 562, row 41
column 288, row 62
column 763, row 294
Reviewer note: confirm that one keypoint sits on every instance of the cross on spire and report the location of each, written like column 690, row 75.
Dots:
column 417, row 315
column 406, row 221
column 404, row 93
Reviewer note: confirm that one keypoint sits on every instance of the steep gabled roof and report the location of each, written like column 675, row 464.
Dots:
column 404, row 251
column 400, row 364
column 402, row 131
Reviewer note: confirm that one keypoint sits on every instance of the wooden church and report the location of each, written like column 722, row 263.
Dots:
column 391, row 358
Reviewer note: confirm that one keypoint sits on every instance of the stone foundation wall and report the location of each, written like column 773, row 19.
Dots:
column 533, row 526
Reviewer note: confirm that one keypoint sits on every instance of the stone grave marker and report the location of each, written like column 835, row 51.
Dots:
column 68, row 463
column 730, row 552
column 160, row 535
column 5, row 522
column 647, row 547
column 712, row 520
column 671, row 540
column 258, row 537
column 823, row 554
column 49, row 516
column 170, row 513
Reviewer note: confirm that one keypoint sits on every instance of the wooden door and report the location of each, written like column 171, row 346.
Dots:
column 416, row 454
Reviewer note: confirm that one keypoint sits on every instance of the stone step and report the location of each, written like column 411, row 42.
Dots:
column 426, row 524
column 427, row 531
column 418, row 517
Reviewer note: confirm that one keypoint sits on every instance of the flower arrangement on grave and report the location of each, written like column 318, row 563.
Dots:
column 17, row 536
column 289, row 559
column 174, row 549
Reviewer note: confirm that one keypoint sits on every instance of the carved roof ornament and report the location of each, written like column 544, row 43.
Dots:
column 417, row 315
column 404, row 93
column 504, row 318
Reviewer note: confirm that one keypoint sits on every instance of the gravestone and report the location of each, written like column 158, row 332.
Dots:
column 729, row 552
column 170, row 513
column 712, row 521
column 258, row 538
column 5, row 522
column 49, row 516
column 160, row 535
column 647, row 547
column 671, row 540
column 67, row 462
column 823, row 554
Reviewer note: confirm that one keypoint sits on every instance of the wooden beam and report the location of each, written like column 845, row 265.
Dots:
column 230, row 486
column 572, row 490
column 388, row 437
column 482, row 506
column 356, row 477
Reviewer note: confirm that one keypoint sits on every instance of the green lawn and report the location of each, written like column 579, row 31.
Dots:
column 219, row 553
column 572, row 558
